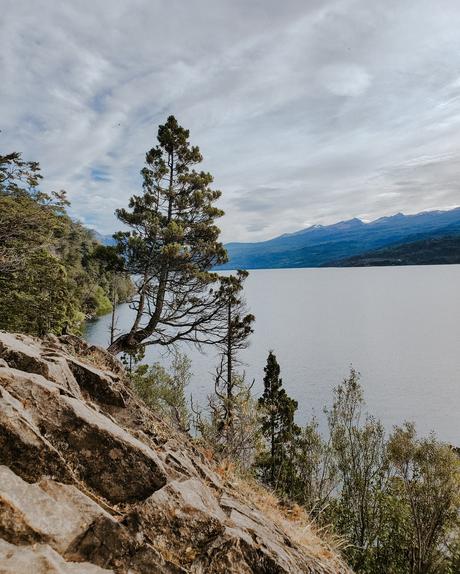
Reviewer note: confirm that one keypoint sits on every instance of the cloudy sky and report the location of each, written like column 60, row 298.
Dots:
column 307, row 111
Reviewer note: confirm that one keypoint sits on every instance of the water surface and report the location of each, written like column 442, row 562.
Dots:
column 398, row 326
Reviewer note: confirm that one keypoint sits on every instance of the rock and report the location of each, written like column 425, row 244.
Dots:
column 188, row 496
column 185, row 463
column 48, row 512
column 181, row 519
column 96, row 355
column 27, row 354
column 111, row 544
column 100, row 386
column 50, row 359
column 91, row 481
column 68, row 521
column 102, row 453
column 40, row 559
column 192, row 526
column 22, row 447
column 111, row 460
column 22, row 352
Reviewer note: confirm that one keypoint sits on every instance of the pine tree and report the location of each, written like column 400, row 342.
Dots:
column 232, row 426
column 172, row 247
column 238, row 327
column 278, row 427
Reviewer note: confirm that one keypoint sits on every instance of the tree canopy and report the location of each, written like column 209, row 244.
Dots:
column 277, row 425
column 50, row 276
column 172, row 246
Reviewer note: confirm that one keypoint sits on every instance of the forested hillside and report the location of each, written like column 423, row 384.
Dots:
column 53, row 272
column 432, row 251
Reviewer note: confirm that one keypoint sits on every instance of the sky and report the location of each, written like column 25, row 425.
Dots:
column 306, row 111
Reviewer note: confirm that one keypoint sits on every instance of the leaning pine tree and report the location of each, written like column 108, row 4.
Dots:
column 172, row 247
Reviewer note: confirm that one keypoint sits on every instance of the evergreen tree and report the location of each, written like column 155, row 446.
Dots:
column 238, row 328
column 279, row 429
column 231, row 428
column 172, row 247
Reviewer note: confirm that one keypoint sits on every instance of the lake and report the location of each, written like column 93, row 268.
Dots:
column 398, row 326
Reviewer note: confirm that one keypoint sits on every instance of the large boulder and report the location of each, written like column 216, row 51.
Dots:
column 47, row 512
column 110, row 460
column 33, row 356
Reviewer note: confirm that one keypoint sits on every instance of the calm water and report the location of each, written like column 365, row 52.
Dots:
column 398, row 326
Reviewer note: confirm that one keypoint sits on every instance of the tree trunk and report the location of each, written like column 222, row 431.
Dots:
column 113, row 320
column 136, row 336
column 229, row 422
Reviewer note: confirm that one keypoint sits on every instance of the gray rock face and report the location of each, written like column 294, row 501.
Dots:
column 40, row 559
column 101, row 452
column 47, row 512
column 91, row 481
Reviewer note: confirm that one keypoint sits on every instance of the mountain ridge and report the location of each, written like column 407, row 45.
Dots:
column 318, row 246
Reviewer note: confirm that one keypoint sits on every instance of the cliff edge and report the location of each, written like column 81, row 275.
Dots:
column 91, row 481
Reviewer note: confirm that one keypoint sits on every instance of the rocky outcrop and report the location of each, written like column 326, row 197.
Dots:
column 91, row 481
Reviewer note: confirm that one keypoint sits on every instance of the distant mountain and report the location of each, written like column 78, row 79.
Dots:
column 319, row 245
column 104, row 239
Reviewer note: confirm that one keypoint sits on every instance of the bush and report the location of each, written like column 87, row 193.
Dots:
column 164, row 391
column 396, row 500
column 239, row 443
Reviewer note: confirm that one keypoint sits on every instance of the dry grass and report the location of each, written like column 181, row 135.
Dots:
column 91, row 354
column 294, row 520
column 97, row 359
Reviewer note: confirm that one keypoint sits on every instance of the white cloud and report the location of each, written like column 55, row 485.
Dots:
column 345, row 79
column 305, row 111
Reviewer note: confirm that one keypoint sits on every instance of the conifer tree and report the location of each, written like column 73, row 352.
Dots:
column 238, row 327
column 171, row 247
column 278, row 427
column 232, row 426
